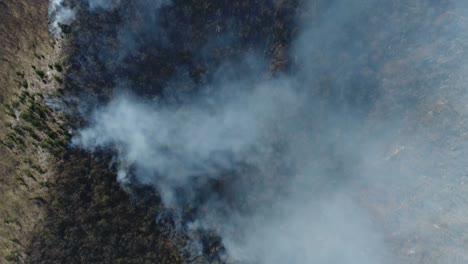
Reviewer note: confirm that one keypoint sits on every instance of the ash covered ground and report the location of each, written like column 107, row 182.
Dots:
column 280, row 131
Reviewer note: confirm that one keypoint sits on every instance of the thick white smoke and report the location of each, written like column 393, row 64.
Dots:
column 344, row 161
column 214, row 132
column 59, row 14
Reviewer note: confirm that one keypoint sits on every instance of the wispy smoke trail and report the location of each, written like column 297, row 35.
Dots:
column 59, row 14
column 336, row 162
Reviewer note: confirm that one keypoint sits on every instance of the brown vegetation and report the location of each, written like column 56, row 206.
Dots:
column 24, row 170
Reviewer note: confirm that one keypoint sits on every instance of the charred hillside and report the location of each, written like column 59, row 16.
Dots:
column 205, row 131
column 151, row 45
column 90, row 217
column 56, row 202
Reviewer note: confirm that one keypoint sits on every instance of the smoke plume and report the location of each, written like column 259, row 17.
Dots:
column 355, row 155
column 59, row 14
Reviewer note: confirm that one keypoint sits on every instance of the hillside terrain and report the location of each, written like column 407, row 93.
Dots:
column 25, row 80
column 59, row 204
column 56, row 202
column 206, row 131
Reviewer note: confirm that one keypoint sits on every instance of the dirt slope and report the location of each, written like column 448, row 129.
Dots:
column 25, row 43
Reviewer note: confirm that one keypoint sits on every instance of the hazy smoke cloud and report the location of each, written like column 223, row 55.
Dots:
column 103, row 4
column 344, row 160
column 210, row 133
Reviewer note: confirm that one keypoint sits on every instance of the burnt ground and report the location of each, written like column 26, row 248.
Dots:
column 90, row 218
column 62, row 205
